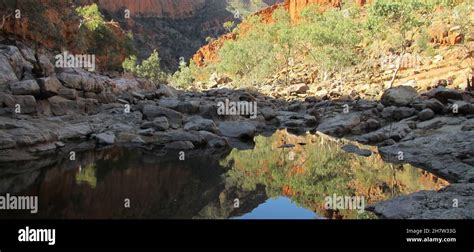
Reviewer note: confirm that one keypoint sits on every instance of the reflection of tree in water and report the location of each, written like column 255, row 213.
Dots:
column 87, row 175
column 319, row 169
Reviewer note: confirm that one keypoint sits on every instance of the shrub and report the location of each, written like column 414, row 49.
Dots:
column 184, row 76
column 149, row 69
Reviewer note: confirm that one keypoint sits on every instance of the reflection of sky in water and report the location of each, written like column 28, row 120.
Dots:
column 279, row 208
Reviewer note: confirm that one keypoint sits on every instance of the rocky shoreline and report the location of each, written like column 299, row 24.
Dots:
column 44, row 111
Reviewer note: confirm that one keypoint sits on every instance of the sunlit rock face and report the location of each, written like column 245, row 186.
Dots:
column 296, row 6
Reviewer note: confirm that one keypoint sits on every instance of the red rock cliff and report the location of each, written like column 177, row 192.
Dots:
column 295, row 7
column 209, row 52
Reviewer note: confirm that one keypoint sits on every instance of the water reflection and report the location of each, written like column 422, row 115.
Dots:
column 285, row 176
column 279, row 208
column 310, row 168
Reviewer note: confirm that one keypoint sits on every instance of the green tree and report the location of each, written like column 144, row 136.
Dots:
column 330, row 38
column 149, row 69
column 92, row 18
column 183, row 77
column 130, row 64
column 229, row 25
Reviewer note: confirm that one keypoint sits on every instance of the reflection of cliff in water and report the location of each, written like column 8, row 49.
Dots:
column 160, row 185
column 314, row 166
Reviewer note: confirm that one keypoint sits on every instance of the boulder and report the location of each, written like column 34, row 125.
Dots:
column 49, row 86
column 188, row 107
column 47, row 67
column 175, row 118
column 71, row 80
column 61, row 106
column 213, row 141
column 443, row 94
column 267, row 112
column 166, row 91
column 464, row 108
column 6, row 71
column 91, row 84
column 107, row 138
column 430, row 204
column 433, row 104
column 237, row 129
column 426, row 114
column 7, row 100
column 198, row 123
column 399, row 96
column 27, row 87
column 88, row 106
column 180, row 145
column 27, row 104
column 16, row 60
column 68, row 93
column 159, row 124
column 180, row 135
column 403, row 112
column 301, row 88
column 339, row 125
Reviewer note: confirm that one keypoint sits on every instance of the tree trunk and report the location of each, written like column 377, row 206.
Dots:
column 398, row 68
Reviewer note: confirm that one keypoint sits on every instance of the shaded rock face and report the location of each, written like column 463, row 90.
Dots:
column 174, row 9
column 176, row 28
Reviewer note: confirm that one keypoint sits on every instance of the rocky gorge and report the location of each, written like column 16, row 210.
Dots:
column 46, row 110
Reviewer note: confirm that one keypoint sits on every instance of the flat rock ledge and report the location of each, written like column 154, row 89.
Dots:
column 455, row 201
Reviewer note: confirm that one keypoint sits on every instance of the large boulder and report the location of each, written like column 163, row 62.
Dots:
column 106, row 138
column 47, row 68
column 49, row 86
column 68, row 93
column 27, row 104
column 443, row 94
column 175, row 118
column 80, row 80
column 6, row 71
column 237, row 129
column 399, row 96
column 70, row 80
column 198, row 123
column 429, row 204
column 27, row 87
column 61, row 106
column 16, row 60
column 339, row 125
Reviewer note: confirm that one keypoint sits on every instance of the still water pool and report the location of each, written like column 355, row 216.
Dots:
column 284, row 177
